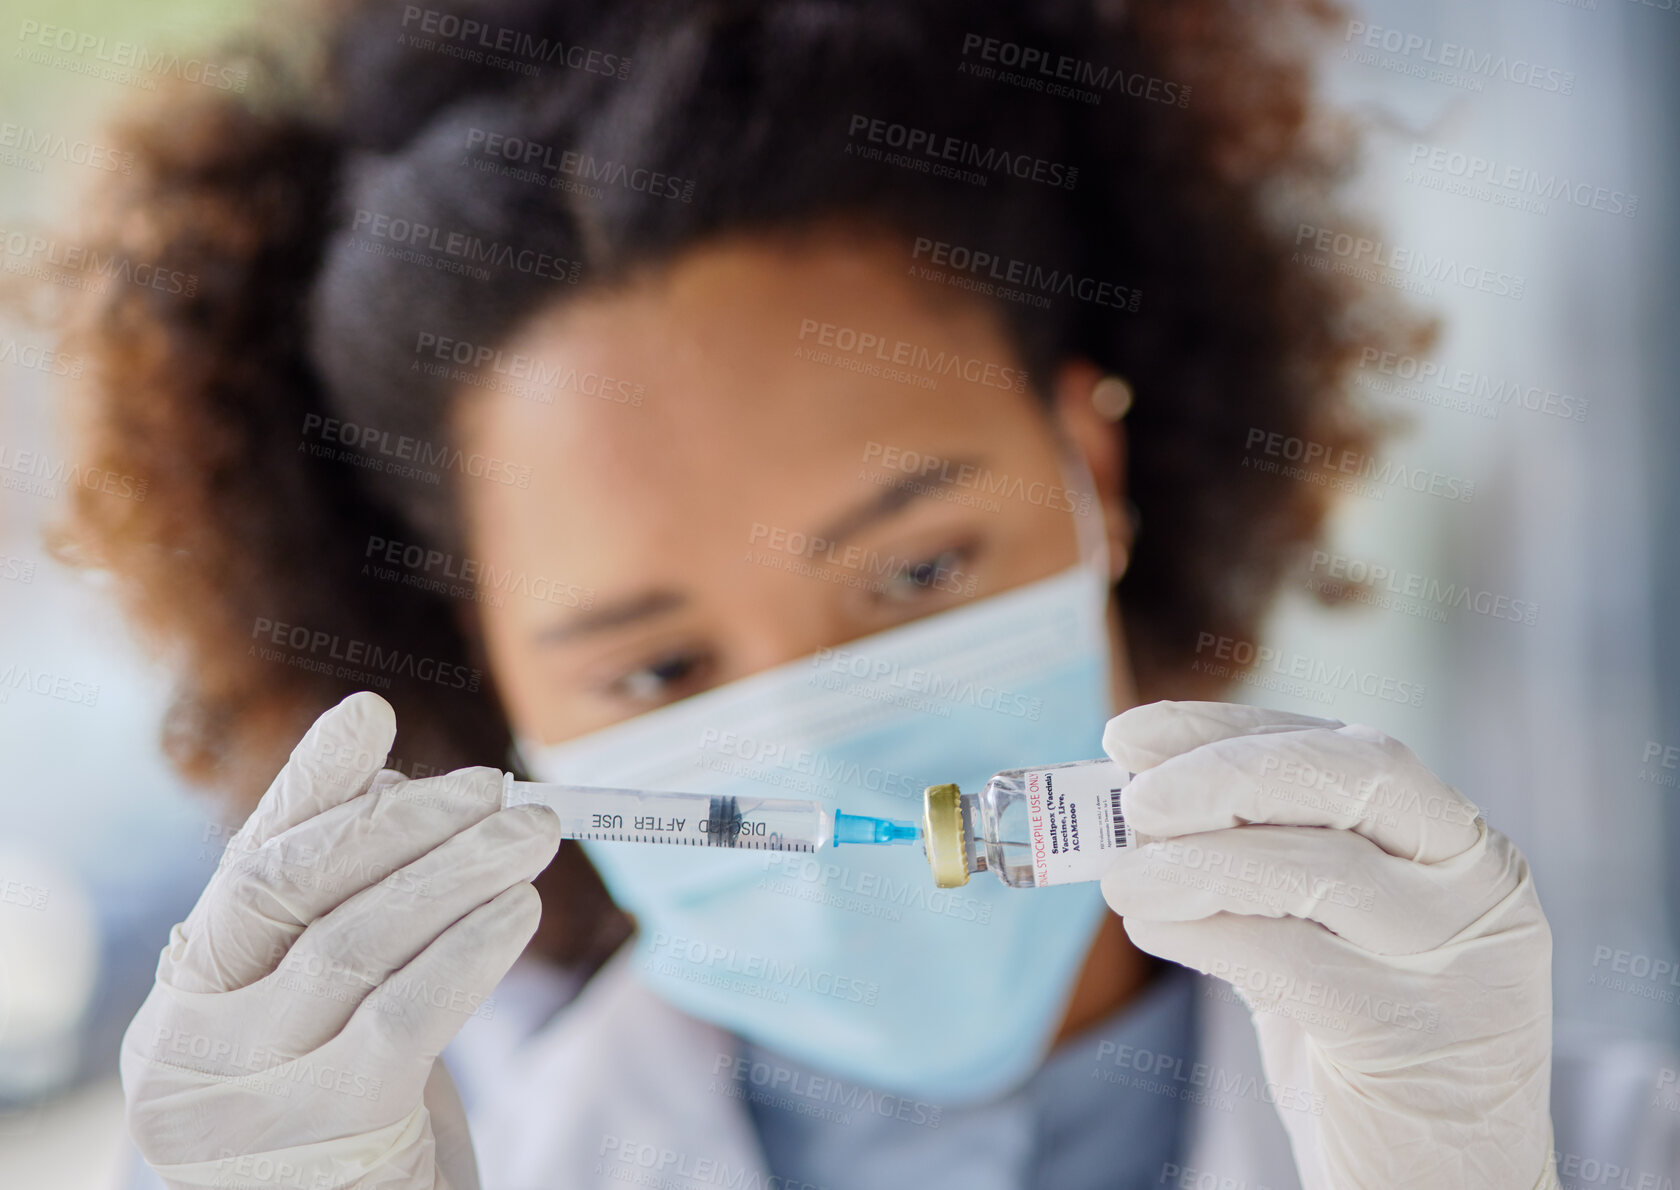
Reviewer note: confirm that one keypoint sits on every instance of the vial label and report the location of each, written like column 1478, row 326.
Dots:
column 1074, row 824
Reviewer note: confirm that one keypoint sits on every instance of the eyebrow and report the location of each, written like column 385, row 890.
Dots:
column 898, row 494
column 612, row 615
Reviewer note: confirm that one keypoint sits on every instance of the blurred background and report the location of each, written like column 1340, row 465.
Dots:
column 1524, row 641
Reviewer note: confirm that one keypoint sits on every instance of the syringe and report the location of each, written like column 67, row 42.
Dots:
column 701, row 820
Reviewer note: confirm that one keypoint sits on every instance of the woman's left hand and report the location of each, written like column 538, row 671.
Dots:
column 1388, row 942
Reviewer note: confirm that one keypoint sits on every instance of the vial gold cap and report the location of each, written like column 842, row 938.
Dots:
column 942, row 835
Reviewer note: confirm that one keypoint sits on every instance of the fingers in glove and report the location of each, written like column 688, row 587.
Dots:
column 336, row 760
column 1350, row 778
column 1147, row 735
column 1383, row 905
column 259, row 902
column 346, row 954
column 419, row 1008
column 1297, row 975
column 1293, row 973
column 322, row 863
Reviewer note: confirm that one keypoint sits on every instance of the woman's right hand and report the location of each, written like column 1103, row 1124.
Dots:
column 357, row 918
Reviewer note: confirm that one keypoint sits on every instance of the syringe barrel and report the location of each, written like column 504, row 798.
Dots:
column 684, row 819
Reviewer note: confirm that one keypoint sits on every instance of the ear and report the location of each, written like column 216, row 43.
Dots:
column 1094, row 428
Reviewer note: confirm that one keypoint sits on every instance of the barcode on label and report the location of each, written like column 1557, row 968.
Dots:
column 1118, row 818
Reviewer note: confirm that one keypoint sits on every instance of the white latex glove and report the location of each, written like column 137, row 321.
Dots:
column 1389, row 944
column 292, row 1037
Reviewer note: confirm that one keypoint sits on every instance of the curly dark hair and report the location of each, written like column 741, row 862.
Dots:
column 1199, row 159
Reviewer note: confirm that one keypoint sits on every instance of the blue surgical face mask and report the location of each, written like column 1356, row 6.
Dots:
column 850, row 960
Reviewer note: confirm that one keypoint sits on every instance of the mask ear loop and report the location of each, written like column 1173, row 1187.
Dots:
column 1088, row 527
column 1092, row 535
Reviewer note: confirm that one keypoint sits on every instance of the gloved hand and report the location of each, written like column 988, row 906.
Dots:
column 355, row 921
column 1389, row 944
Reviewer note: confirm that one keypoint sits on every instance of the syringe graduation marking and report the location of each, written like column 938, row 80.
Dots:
column 776, row 844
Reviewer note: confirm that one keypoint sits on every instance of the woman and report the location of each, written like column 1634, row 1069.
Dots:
column 735, row 397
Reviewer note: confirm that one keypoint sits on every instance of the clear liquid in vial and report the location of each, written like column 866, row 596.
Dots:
column 1001, row 828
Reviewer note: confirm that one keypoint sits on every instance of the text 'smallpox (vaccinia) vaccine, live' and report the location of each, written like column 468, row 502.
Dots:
column 1056, row 824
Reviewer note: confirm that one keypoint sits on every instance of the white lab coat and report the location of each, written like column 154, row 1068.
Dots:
column 619, row 1071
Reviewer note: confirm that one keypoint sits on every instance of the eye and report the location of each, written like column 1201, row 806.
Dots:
column 666, row 679
column 942, row 573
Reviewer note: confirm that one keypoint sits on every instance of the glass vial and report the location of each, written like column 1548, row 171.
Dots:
column 1051, row 824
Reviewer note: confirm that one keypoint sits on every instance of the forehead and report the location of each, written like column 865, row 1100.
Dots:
column 748, row 373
